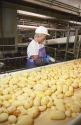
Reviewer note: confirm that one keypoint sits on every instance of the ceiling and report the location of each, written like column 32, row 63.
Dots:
column 75, row 3
column 50, row 8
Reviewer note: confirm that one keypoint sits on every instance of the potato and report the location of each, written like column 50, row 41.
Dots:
column 53, row 108
column 65, row 88
column 42, row 108
column 75, row 85
column 48, row 92
column 60, row 96
column 25, row 120
column 28, row 104
column 3, row 109
column 53, row 88
column 80, row 85
column 68, row 93
column 44, row 101
column 60, row 107
column 37, row 101
column 33, row 112
column 59, row 88
column 53, row 96
column 50, row 103
column 12, row 119
column 72, row 107
column 3, row 117
column 11, row 109
column 71, row 89
column 68, row 113
column 56, row 115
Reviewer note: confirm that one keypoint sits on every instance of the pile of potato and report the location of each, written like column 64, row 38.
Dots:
column 25, row 95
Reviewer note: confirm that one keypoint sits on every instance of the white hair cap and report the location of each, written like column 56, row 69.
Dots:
column 41, row 30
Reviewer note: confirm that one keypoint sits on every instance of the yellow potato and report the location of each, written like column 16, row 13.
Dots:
column 53, row 88
column 44, row 101
column 42, row 108
column 25, row 120
column 37, row 101
column 11, row 109
column 68, row 93
column 60, row 96
column 60, row 107
column 12, row 119
column 33, row 112
column 28, row 104
column 75, row 85
column 50, row 103
column 59, row 88
column 56, row 115
column 3, row 117
column 72, row 107
column 68, row 113
column 48, row 92
column 3, row 110
column 65, row 88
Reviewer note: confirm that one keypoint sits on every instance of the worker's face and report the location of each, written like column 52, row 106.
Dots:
column 42, row 39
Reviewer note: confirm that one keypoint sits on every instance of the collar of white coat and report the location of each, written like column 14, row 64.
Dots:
column 40, row 45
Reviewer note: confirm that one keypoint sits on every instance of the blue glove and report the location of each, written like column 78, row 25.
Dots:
column 46, row 60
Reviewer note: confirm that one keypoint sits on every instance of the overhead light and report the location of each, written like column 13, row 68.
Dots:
column 75, row 22
column 26, row 27
column 34, row 14
column 34, row 27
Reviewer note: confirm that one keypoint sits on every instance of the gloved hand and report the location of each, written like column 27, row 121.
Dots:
column 51, row 59
column 39, row 62
column 46, row 60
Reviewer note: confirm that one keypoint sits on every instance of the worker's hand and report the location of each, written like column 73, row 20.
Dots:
column 51, row 59
column 39, row 62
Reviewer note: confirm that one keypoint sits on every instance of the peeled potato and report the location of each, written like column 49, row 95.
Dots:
column 48, row 92
column 11, row 109
column 12, row 119
column 68, row 93
column 56, row 115
column 60, row 107
column 44, row 101
column 33, row 112
column 37, row 101
column 25, row 120
column 60, row 96
column 28, row 104
column 65, row 88
column 3, row 117
column 50, row 103
column 68, row 113
column 59, row 88
column 42, row 108
column 75, row 85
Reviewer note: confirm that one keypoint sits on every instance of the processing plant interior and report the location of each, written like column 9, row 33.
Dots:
column 40, row 62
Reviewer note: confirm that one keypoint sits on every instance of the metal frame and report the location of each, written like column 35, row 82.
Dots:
column 76, row 48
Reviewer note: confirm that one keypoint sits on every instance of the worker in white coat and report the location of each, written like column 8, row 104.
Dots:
column 36, row 51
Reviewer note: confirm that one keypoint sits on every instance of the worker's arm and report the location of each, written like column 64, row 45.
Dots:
column 37, row 60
